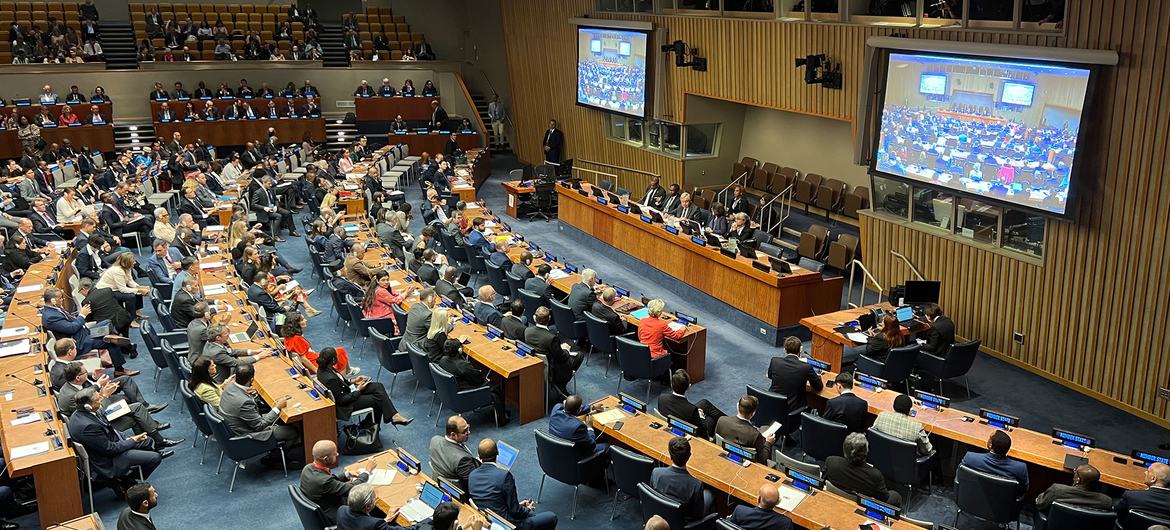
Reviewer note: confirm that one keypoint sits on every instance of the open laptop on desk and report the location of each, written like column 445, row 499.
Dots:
column 905, row 315
column 507, row 455
column 244, row 336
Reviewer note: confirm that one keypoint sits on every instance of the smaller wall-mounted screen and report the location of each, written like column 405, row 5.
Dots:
column 1017, row 93
column 934, row 84
column 612, row 70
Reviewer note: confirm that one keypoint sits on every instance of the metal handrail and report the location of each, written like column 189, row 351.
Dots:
column 596, row 173
column 866, row 277
column 602, row 164
column 719, row 195
column 785, row 208
column 908, row 264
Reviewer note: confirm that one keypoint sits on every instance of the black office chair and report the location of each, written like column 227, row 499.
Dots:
column 726, row 524
column 421, row 368
column 898, row 460
column 635, row 364
column 1063, row 516
column 154, row 349
column 515, row 283
column 399, row 317
column 476, row 262
column 896, row 369
column 496, row 278
column 310, row 514
column 773, row 407
column 956, row 364
column 389, row 358
column 599, row 338
column 239, row 448
column 1139, row 521
column 567, row 324
column 543, row 201
column 459, row 401
column 628, row 469
column 172, row 358
column 669, row 508
column 560, row 459
column 195, row 408
column 987, row 497
column 821, row 438
column 531, row 302
column 164, row 316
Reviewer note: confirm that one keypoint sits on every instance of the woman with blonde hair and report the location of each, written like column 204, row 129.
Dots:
column 436, row 339
column 120, row 279
column 652, row 330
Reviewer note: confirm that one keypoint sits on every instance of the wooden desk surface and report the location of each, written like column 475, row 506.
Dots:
column 514, row 186
column 86, row 522
column 706, row 464
column 378, row 108
column 259, row 106
column 768, row 296
column 392, row 497
column 434, row 142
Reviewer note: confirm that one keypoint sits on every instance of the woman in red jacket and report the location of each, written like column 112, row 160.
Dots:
column 293, row 332
column 652, row 330
column 380, row 299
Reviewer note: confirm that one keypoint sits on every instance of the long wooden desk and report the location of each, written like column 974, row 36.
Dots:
column 85, row 522
column 239, row 132
column 81, row 109
column 514, row 190
column 434, row 142
column 54, row 472
column 776, row 300
column 378, row 108
column 706, row 464
column 1033, row 447
column 522, row 377
column 391, row 497
column 828, row 345
column 259, row 105
column 93, row 137
column 318, row 417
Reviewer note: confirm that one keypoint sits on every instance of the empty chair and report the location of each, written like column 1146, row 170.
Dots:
column 459, row 401
column 1063, row 516
column 812, row 242
column 749, row 163
column 635, row 364
column 628, row 469
column 829, row 195
column 389, row 358
column 783, row 460
column 239, row 448
column 560, row 460
column 784, row 178
column 805, row 189
column 760, row 181
column 821, row 438
column 956, row 364
column 896, row 369
column 855, row 200
column 739, row 171
column 531, row 302
column 598, row 332
column 842, row 251
column 420, row 366
column 311, row 515
column 515, row 283
column 988, row 497
column 726, row 524
column 897, row 459
column 567, row 324
column 669, row 508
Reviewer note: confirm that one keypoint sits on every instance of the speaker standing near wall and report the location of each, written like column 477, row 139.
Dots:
column 554, row 140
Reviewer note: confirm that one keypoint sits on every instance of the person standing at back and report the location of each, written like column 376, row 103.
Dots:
column 554, row 140
column 789, row 375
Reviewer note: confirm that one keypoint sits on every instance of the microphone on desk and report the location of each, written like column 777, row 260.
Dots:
column 39, row 385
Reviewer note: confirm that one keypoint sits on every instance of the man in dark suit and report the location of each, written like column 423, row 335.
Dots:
column 251, row 156
column 583, row 294
column 763, row 515
column 485, row 307
column 355, row 514
column 854, row 474
column 320, row 485
column 141, row 498
column 603, row 308
column 189, row 205
column 941, row 334
column 670, row 203
column 655, row 194
column 703, row 414
column 687, row 209
column 68, row 324
column 539, row 284
column 847, row 408
column 520, row 268
column 494, row 488
column 418, row 319
column 449, row 286
column 564, row 423
column 554, row 140
column 789, row 375
column 104, row 306
column 1153, row 501
column 241, row 412
column 122, row 222
column 675, row 482
column 1084, row 491
column 264, row 204
column 438, row 116
column 513, row 324
column 183, row 306
column 259, row 295
column 739, row 429
column 562, row 361
column 996, row 462
column 111, row 454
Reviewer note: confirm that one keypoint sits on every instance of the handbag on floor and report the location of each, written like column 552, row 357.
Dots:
column 361, row 439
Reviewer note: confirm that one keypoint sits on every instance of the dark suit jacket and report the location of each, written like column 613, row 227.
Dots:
column 611, row 318
column 654, row 196
column 183, row 309
column 745, row 233
column 680, row 407
column 789, row 374
column 493, row 488
column 862, row 479
column 1003, row 466
column 466, row 374
column 105, row 445
column 940, row 336
column 571, row 428
column 850, row 410
column 347, row 520
column 1073, row 495
column 329, row 491
column 545, row 342
column 537, row 286
column 486, row 313
column 39, row 223
column 554, row 139
column 581, row 298
column 261, row 297
column 103, row 306
column 428, row 274
column 513, row 327
column 261, row 199
column 753, row 518
column 87, row 265
column 131, row 521
column 675, row 482
column 343, row 397
column 738, row 431
column 521, row 271
column 1154, row 501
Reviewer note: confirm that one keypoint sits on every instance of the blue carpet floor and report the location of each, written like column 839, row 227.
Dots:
column 192, row 496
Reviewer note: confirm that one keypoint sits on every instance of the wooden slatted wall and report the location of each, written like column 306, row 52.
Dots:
column 1107, row 266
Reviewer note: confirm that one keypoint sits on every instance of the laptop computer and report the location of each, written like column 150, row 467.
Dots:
column 497, row 522
column 905, row 315
column 244, row 336
column 507, row 455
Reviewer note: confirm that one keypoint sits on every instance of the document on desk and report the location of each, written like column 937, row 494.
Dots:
column 14, row 347
column 609, row 416
column 414, row 510
column 558, row 274
column 13, row 332
column 675, row 326
column 382, row 477
column 22, row 451
column 860, row 338
column 217, row 264
column 30, row 288
column 641, row 313
column 214, row 289
column 790, row 497
column 117, row 409
column 489, row 223
column 26, row 419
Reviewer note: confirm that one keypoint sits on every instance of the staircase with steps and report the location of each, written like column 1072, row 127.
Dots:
column 498, row 145
column 117, row 39
column 332, row 45
column 132, row 134
column 339, row 134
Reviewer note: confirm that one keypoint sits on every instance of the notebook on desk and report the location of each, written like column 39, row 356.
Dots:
column 641, row 313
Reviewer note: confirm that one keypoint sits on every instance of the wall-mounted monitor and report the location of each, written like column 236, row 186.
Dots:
column 1003, row 126
column 613, row 69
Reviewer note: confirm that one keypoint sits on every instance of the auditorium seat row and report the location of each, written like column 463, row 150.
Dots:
column 830, row 195
column 815, row 245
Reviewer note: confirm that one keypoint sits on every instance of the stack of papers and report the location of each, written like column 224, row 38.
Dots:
column 382, row 477
column 218, row 264
column 30, row 288
column 15, row 347
column 609, row 416
column 414, row 510
column 219, row 288
column 790, row 497
column 38, row 448
column 557, row 274
column 858, row 337
column 27, row 418
column 675, row 326
column 13, row 332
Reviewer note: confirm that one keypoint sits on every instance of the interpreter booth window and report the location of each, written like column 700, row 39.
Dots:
column 1023, row 232
column 891, row 197
column 934, row 208
column 625, row 6
column 665, row 137
column 627, row 130
column 702, row 140
column 979, row 221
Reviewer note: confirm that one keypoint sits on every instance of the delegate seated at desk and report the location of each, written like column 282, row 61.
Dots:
column 448, row 454
column 878, row 343
column 494, row 488
column 940, row 335
column 740, row 430
column 996, row 461
column 789, row 374
column 676, row 482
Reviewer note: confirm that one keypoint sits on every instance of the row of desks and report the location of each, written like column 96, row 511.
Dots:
column 377, row 108
column 54, row 472
column 92, row 137
column 259, row 105
column 433, row 142
column 775, row 299
column 239, row 132
column 1035, row 448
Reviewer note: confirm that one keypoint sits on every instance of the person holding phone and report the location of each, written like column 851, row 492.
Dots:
column 356, row 394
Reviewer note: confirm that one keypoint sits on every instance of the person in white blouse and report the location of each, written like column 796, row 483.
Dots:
column 70, row 209
column 120, row 278
column 163, row 229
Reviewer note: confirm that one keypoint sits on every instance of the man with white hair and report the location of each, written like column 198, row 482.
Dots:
column 387, row 89
column 364, row 90
column 1153, row 501
column 583, row 293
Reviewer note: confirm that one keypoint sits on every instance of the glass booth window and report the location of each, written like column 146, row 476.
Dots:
column 1023, row 232
column 701, row 139
column 891, row 196
column 979, row 221
column 933, row 208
